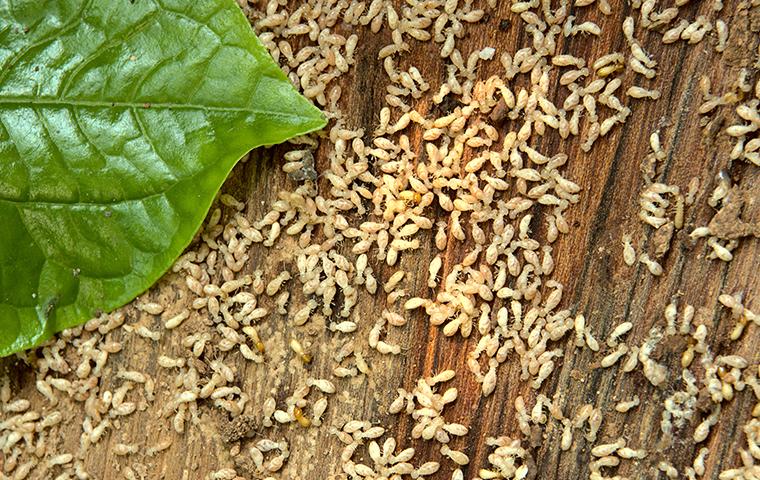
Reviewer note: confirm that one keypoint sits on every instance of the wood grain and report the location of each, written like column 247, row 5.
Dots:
column 588, row 262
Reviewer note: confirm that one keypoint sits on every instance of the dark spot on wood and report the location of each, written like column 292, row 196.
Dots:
column 244, row 463
column 499, row 113
column 704, row 402
column 447, row 106
column 536, row 436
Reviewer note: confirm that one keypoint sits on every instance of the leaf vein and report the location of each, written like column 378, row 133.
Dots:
column 149, row 139
column 71, row 76
column 54, row 35
column 53, row 102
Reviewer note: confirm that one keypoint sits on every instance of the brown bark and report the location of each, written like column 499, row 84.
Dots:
column 589, row 264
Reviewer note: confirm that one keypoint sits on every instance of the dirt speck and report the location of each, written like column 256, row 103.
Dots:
column 661, row 239
column 727, row 223
column 238, row 428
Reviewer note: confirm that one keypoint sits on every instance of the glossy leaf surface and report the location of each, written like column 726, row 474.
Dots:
column 119, row 121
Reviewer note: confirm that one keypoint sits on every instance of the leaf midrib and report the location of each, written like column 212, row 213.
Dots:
column 15, row 102
column 32, row 102
column 79, row 203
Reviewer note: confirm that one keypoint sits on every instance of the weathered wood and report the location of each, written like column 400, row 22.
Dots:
column 588, row 262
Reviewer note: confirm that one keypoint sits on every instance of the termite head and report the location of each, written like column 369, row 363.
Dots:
column 410, row 197
column 300, row 418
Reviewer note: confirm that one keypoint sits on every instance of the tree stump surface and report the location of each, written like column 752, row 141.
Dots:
column 589, row 263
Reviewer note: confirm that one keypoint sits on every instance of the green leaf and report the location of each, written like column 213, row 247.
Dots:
column 119, row 121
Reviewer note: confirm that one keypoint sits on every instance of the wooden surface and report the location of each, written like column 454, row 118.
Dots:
column 588, row 262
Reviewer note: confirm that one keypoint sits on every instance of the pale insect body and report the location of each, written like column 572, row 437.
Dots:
column 393, row 281
column 617, row 332
column 627, row 405
column 652, row 265
column 613, row 357
column 629, row 254
column 400, row 191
